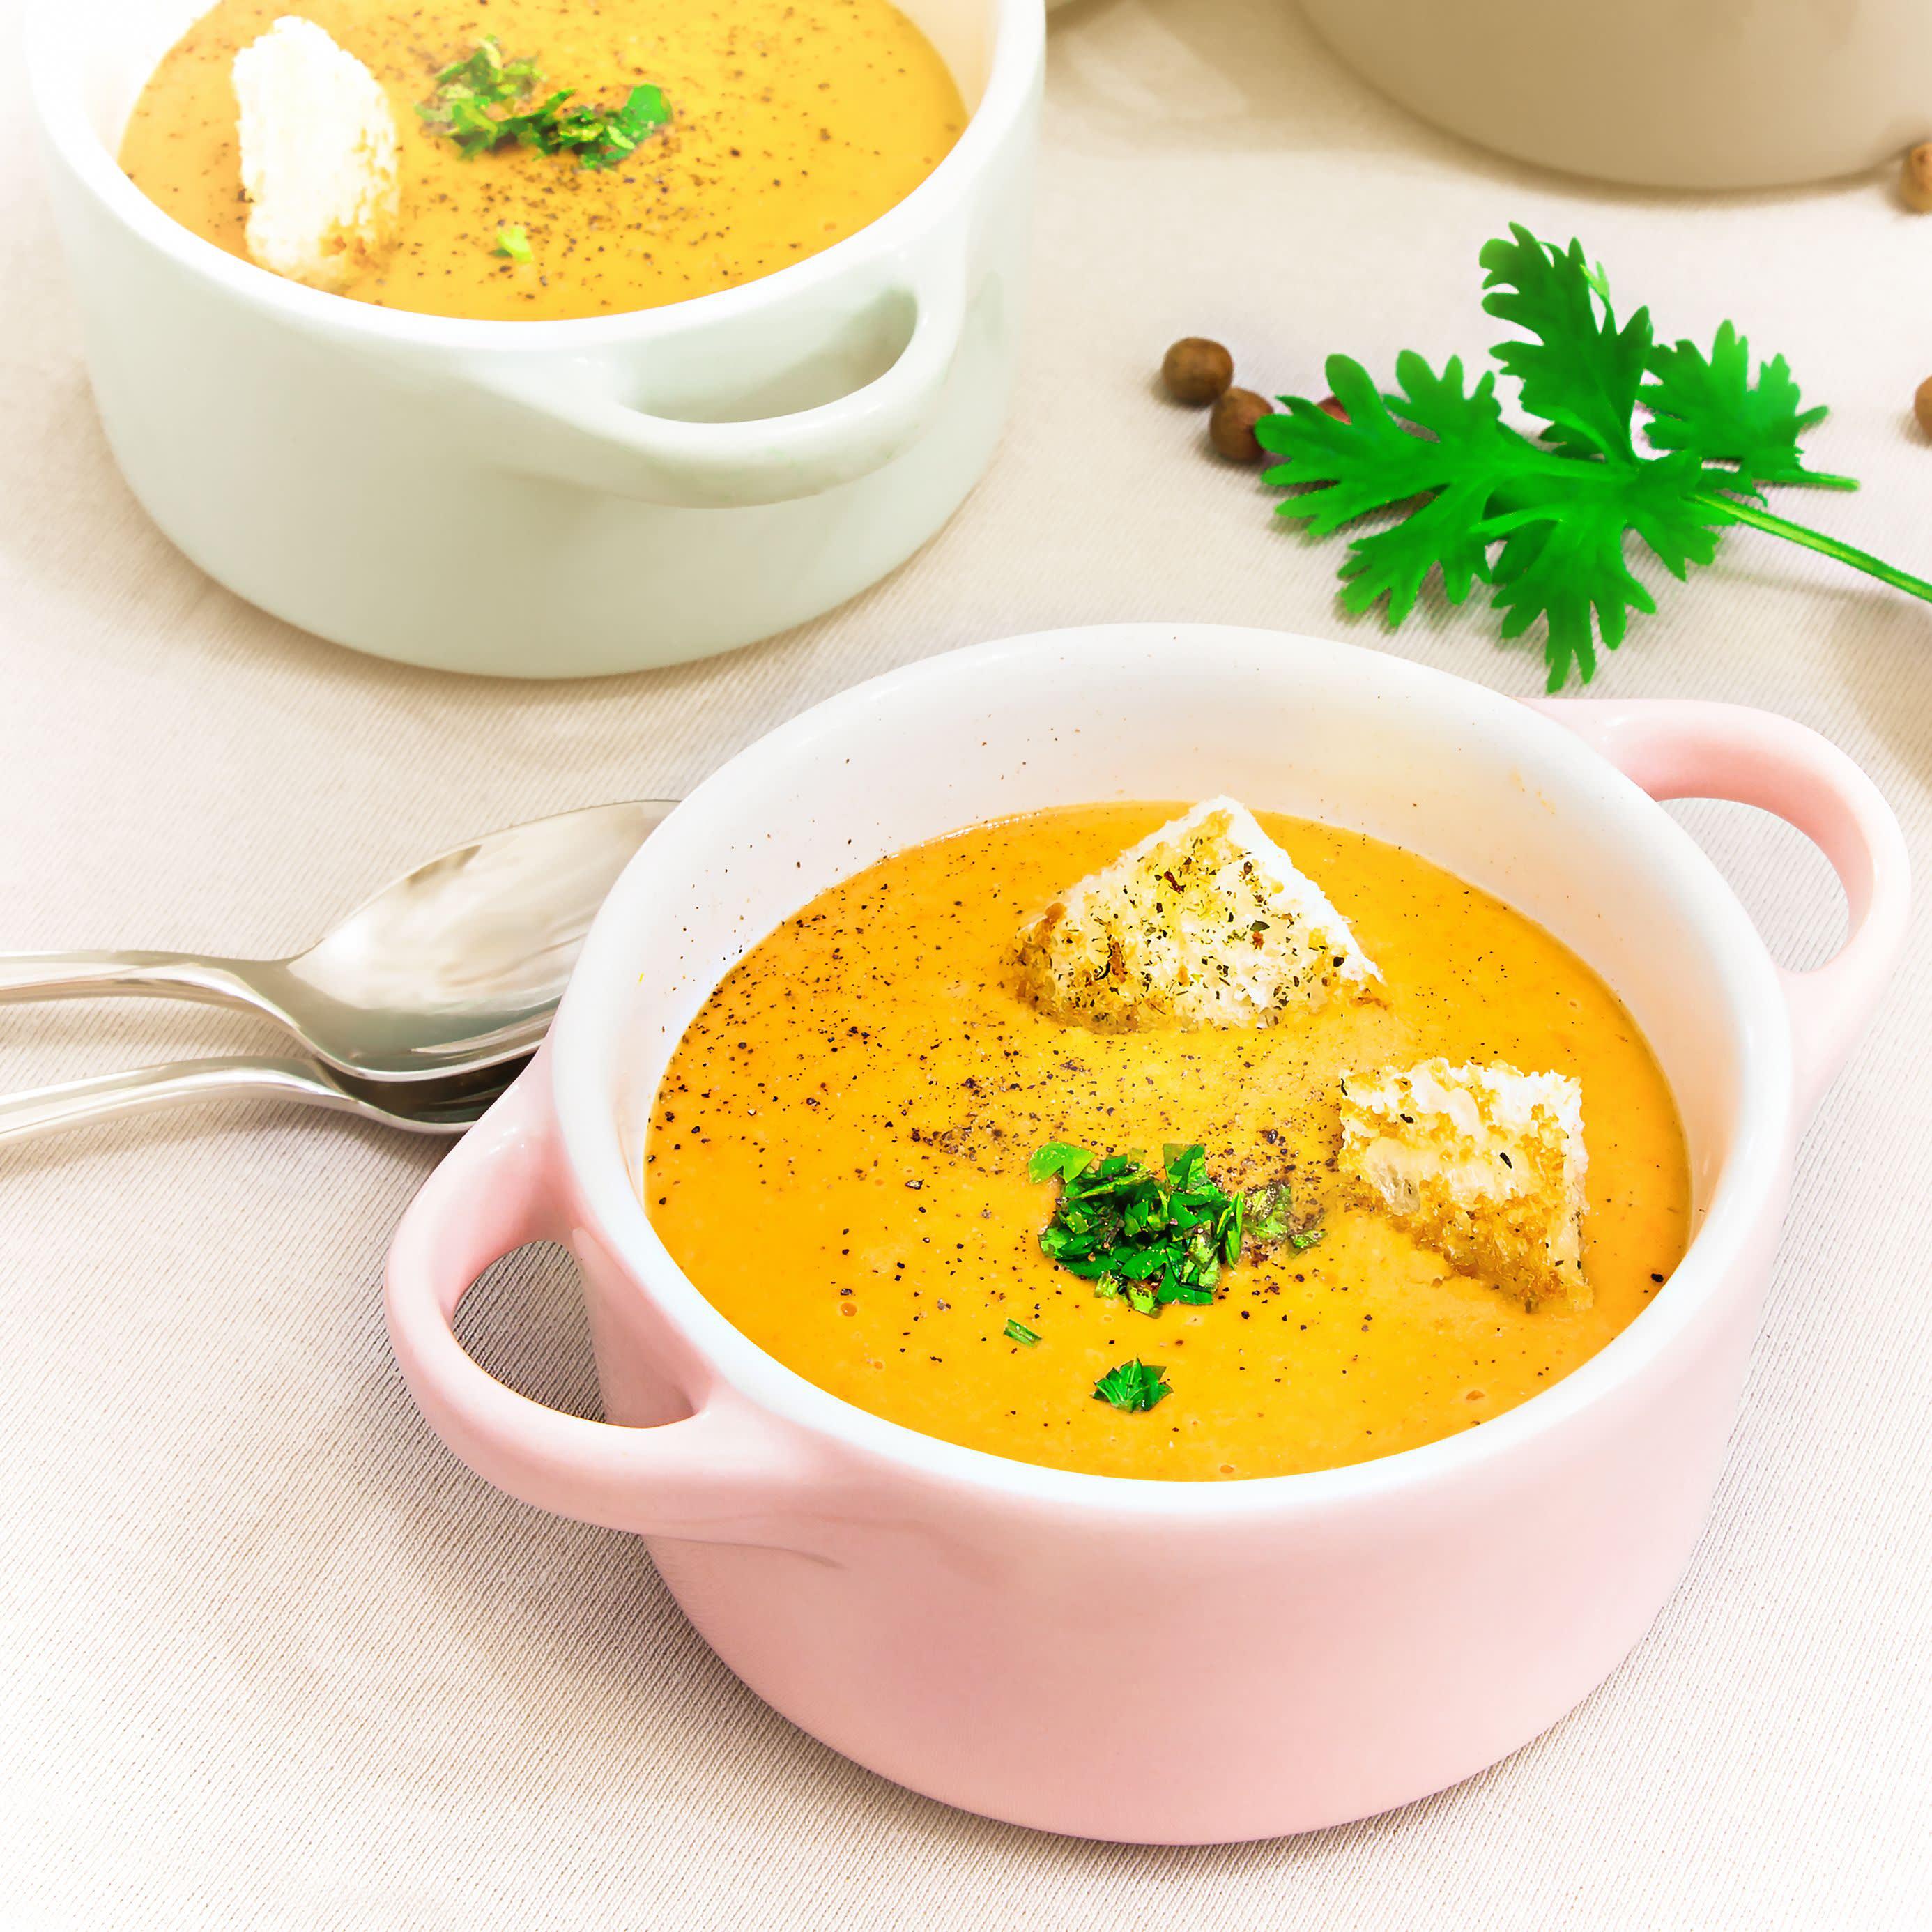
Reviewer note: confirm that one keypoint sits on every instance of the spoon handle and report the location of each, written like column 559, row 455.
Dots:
column 78, row 1101
column 52, row 976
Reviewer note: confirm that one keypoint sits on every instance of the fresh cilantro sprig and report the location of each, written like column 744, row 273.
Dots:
column 1543, row 520
column 477, row 104
column 1132, row 1386
column 1151, row 1238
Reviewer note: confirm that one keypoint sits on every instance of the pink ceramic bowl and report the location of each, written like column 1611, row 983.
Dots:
column 1167, row 1662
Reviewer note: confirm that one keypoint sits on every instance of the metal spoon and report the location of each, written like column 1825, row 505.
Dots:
column 444, row 1105
column 459, row 963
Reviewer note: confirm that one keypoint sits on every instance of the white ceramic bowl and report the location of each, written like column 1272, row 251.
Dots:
column 1686, row 94
column 1166, row 1661
column 560, row 499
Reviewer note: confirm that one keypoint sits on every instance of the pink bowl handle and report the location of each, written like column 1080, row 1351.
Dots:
column 718, row 1475
column 1679, row 748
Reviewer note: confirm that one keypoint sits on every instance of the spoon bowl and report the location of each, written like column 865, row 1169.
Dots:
column 458, row 963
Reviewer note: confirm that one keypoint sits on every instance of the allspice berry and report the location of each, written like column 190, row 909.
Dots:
column 1230, row 429
column 1914, row 180
column 1196, row 371
column 1921, row 405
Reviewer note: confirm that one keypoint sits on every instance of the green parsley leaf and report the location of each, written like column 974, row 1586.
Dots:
column 1545, row 521
column 644, row 108
column 1271, row 1213
column 1711, row 407
column 1152, row 1239
column 1562, row 555
column 1580, row 373
column 1016, row 1331
column 1463, row 460
column 1057, row 1160
column 1133, row 1386
column 1187, row 1166
column 476, row 105
column 513, row 242
column 1163, row 1236
column 468, row 91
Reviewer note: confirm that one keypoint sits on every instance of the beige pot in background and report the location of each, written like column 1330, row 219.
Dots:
column 1682, row 94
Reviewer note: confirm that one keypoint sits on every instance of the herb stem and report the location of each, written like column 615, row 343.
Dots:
column 1735, row 511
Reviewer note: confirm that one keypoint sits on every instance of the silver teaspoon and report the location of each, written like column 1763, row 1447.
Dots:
column 459, row 963
column 446, row 1104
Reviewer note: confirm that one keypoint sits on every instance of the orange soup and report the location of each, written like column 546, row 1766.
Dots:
column 792, row 123
column 838, row 1158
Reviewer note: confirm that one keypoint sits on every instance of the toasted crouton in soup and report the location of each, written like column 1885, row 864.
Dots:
column 1205, row 923
column 1483, row 1164
column 318, row 166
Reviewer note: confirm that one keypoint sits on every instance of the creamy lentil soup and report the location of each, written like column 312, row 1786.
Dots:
column 793, row 123
column 838, row 1154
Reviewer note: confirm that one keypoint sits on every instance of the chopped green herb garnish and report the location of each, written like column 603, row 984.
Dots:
column 1057, row 1160
column 468, row 92
column 644, row 108
column 1304, row 1238
column 477, row 104
column 1018, row 1331
column 1151, row 1238
column 1132, row 1386
column 1544, row 519
column 513, row 242
column 1270, row 1213
column 1154, row 1239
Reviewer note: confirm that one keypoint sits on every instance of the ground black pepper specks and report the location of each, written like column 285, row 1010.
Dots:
column 878, row 1039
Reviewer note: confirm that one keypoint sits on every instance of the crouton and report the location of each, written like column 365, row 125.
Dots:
column 1205, row 922
column 319, row 164
column 1482, row 1164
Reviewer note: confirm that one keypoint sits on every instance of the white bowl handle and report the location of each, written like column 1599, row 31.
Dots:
column 559, row 420
column 1680, row 748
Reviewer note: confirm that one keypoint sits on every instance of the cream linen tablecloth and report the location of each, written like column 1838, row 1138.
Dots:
column 272, row 1658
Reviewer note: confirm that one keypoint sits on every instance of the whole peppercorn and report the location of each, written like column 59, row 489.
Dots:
column 1914, row 180
column 1196, row 371
column 1921, row 405
column 1230, row 428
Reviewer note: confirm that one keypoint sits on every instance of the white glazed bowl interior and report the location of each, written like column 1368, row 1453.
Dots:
column 90, row 62
column 1502, row 796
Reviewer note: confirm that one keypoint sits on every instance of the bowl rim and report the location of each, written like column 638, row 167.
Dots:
column 56, row 38
column 590, row 1135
